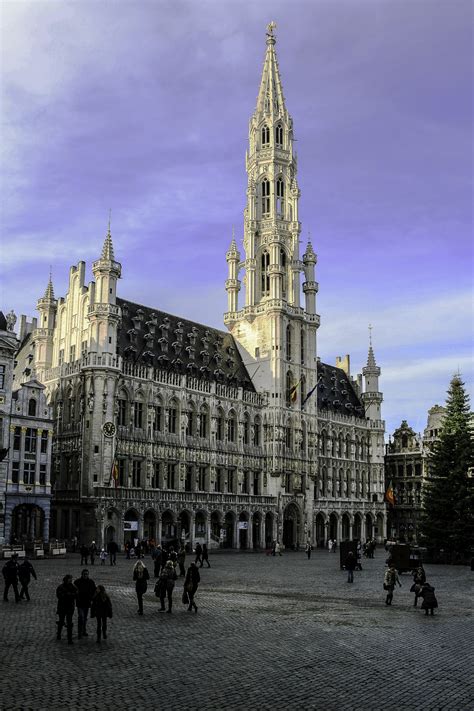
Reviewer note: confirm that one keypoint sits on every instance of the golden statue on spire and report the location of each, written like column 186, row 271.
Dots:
column 270, row 28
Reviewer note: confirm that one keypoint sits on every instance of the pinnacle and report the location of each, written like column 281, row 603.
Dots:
column 108, row 248
column 371, row 358
column 49, row 293
column 270, row 96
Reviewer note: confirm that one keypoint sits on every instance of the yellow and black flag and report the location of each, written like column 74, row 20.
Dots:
column 294, row 392
column 390, row 495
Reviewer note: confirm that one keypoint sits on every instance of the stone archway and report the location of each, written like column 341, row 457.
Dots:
column 291, row 526
column 243, row 528
column 229, row 526
column 369, row 527
column 380, row 529
column 357, row 527
column 256, row 530
column 200, row 526
column 168, row 529
column 27, row 523
column 345, row 527
column 110, row 534
column 333, row 526
column 320, row 530
column 184, row 526
column 216, row 527
column 149, row 525
column 269, row 530
column 130, row 526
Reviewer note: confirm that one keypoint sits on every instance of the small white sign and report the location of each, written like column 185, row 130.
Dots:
column 130, row 525
column 243, row 525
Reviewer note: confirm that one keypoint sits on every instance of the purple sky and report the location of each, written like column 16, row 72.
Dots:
column 143, row 107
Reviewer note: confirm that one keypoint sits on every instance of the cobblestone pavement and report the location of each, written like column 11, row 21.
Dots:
column 277, row 633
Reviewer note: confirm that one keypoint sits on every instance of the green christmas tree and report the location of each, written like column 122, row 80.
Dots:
column 448, row 498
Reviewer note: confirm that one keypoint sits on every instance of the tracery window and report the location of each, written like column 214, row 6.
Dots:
column 279, row 134
column 265, row 264
column 265, row 135
column 265, row 197
column 280, row 194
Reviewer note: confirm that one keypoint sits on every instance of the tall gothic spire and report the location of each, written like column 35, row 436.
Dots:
column 108, row 248
column 49, row 293
column 371, row 364
column 270, row 98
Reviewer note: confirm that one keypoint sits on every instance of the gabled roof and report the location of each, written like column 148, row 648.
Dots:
column 152, row 337
column 336, row 392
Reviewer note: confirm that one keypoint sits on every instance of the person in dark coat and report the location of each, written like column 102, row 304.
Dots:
column 112, row 550
column 308, row 548
column 157, row 556
column 86, row 589
column 198, row 551
column 84, row 551
column 419, row 578
column 205, row 555
column 140, row 576
column 429, row 599
column 181, row 560
column 92, row 552
column 350, row 566
column 25, row 571
column 66, row 594
column 191, row 585
column 164, row 558
column 165, row 586
column 390, row 578
column 101, row 609
column 10, row 576
column 173, row 556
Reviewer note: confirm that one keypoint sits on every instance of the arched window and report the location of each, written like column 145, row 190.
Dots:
column 302, row 389
column 231, row 427
column 257, row 432
column 265, row 197
column 172, row 418
column 220, row 426
column 203, row 422
column 280, row 194
column 246, row 429
column 288, row 343
column 302, row 345
column 265, row 135
column 122, row 410
column 279, row 135
column 265, row 260
column 32, row 407
column 191, row 424
column 283, row 265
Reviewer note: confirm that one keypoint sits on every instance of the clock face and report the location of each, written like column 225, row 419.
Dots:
column 108, row 429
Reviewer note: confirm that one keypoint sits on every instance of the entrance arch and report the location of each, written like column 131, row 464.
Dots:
column 243, row 530
column 229, row 525
column 291, row 526
column 333, row 526
column 380, row 528
column 27, row 523
column 130, row 526
column 168, row 529
column 216, row 526
column 149, row 525
column 357, row 527
column 269, row 537
column 345, row 527
column 320, row 530
column 184, row 526
column 110, row 534
column 369, row 528
column 256, row 529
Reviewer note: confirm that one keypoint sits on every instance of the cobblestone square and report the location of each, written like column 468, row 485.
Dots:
column 272, row 633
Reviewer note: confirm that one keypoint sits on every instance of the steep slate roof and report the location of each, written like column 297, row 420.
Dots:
column 151, row 337
column 3, row 322
column 336, row 392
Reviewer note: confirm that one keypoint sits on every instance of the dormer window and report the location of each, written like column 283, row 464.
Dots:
column 265, row 197
column 265, row 262
column 265, row 135
column 279, row 135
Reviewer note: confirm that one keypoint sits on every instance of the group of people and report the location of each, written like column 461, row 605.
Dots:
column 420, row 587
column 91, row 552
column 165, row 564
column 14, row 573
column 84, row 594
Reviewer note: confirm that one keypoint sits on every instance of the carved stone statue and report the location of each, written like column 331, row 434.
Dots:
column 11, row 320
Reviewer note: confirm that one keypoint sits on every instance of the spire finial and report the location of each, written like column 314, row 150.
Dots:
column 271, row 27
column 370, row 334
column 108, row 248
column 110, row 218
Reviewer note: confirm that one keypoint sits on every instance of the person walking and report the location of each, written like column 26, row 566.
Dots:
column 140, row 576
column 429, row 598
column 350, row 565
column 191, row 583
column 84, row 551
column 92, row 552
column 10, row 575
column 165, row 586
column 389, row 581
column 103, row 556
column 359, row 556
column 101, row 609
column 112, row 550
column 198, row 551
column 173, row 556
column 419, row 579
column 205, row 555
column 330, row 545
column 308, row 549
column 181, row 560
column 278, row 548
column 25, row 571
column 156, row 557
column 86, row 589
column 66, row 594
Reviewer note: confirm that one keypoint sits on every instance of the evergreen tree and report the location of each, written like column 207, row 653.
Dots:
column 448, row 519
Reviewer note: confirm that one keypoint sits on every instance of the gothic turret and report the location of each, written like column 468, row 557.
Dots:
column 372, row 400
column 43, row 335
column 310, row 286
column 232, row 284
column 103, row 312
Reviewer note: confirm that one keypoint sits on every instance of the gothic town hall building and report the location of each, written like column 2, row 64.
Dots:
column 169, row 429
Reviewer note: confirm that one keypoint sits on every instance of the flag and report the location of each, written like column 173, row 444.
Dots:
column 308, row 396
column 294, row 391
column 390, row 496
column 115, row 472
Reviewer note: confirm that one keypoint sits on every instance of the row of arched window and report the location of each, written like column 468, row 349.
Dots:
column 265, row 198
column 341, row 447
column 344, row 484
column 265, row 271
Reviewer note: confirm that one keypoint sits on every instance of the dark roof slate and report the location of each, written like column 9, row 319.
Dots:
column 336, row 392
column 152, row 337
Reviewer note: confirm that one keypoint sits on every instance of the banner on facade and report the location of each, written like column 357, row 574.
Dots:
column 243, row 525
column 130, row 525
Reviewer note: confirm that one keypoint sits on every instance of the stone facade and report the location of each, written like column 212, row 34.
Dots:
column 406, row 468
column 172, row 430
column 26, row 440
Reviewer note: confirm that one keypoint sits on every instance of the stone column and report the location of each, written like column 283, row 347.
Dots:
column 208, row 530
column 46, row 528
column 192, row 528
column 250, row 533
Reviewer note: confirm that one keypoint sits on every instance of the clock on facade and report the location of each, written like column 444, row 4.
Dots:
column 109, row 429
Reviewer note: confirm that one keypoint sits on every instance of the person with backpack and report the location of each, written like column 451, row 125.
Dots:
column 140, row 576
column 389, row 580
column 101, row 609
